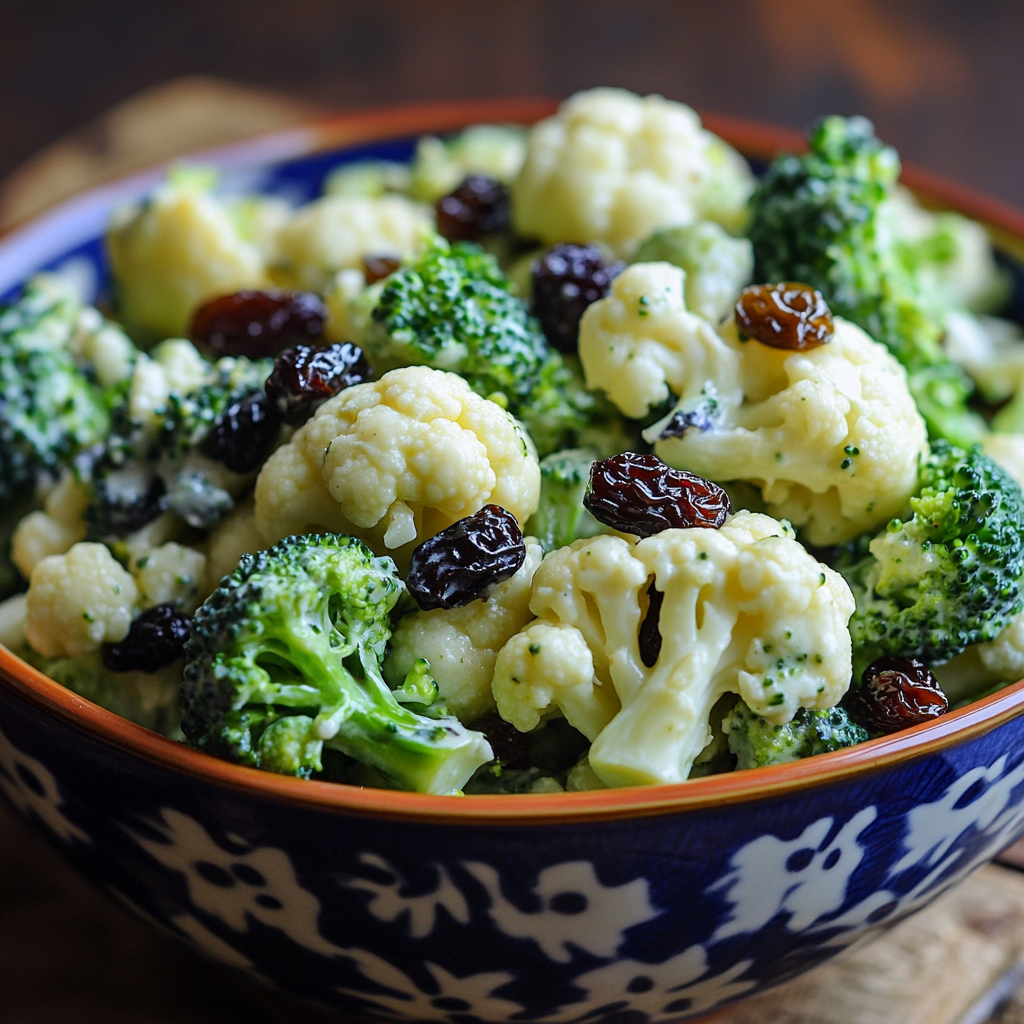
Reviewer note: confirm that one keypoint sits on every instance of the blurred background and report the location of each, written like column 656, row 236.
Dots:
column 942, row 79
column 89, row 89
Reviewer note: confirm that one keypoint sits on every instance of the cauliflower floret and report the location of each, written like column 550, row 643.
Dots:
column 547, row 666
column 103, row 346
column 745, row 610
column 495, row 150
column 1007, row 451
column 612, row 167
column 718, row 267
column 232, row 537
column 396, row 461
column 640, row 343
column 54, row 528
column 170, row 574
column 79, row 601
column 183, row 366
column 175, row 250
column 831, row 436
column 336, row 232
column 13, row 617
column 461, row 644
column 339, row 298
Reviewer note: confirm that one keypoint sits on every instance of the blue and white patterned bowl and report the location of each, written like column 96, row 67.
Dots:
column 625, row 906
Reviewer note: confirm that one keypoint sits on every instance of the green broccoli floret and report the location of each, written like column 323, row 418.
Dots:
column 141, row 471
column 560, row 517
column 452, row 308
column 284, row 659
column 950, row 574
column 49, row 409
column 757, row 742
column 815, row 219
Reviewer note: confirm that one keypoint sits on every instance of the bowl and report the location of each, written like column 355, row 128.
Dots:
column 627, row 905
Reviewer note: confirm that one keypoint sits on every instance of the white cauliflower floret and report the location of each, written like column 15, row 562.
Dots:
column 339, row 298
column 439, row 165
column 397, row 460
column 79, row 601
column 335, row 233
column 612, row 167
column 718, row 267
column 175, row 250
column 13, row 618
column 461, row 644
column 746, row 610
column 170, row 574
column 831, row 436
column 1007, row 451
column 640, row 343
column 548, row 666
column 54, row 528
column 102, row 345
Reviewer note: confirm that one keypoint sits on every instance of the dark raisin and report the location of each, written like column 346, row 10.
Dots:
column 460, row 563
column 305, row 376
column 789, row 315
column 244, row 434
column 256, row 324
column 123, row 503
column 650, row 629
column 567, row 279
column 681, row 422
column 479, row 206
column 376, row 268
column 156, row 640
column 510, row 746
column 897, row 693
column 639, row 494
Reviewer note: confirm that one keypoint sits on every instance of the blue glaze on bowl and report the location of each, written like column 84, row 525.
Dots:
column 653, row 915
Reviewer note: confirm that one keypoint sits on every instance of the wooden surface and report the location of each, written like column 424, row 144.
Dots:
column 68, row 955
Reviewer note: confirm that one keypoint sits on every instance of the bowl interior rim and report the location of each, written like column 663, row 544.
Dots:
column 1005, row 223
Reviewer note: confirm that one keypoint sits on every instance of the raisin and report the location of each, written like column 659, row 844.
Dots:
column 650, row 629
column 460, row 563
column 376, row 268
column 121, row 504
column 897, row 693
column 680, row 422
column 567, row 279
column 256, row 324
column 510, row 746
column 306, row 376
column 789, row 315
column 156, row 640
column 639, row 494
column 244, row 434
column 479, row 206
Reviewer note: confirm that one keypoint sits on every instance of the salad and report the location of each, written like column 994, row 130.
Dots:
column 557, row 459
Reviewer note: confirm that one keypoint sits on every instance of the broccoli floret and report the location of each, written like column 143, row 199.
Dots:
column 815, row 219
column 950, row 574
column 560, row 517
column 284, row 659
column 452, row 308
column 49, row 408
column 757, row 742
column 142, row 469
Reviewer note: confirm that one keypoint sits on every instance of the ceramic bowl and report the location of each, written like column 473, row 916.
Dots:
column 626, row 906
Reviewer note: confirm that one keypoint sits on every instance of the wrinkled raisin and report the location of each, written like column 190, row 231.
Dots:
column 567, row 279
column 510, row 746
column 479, row 206
column 244, row 434
column 256, row 324
column 639, row 494
column 897, row 693
column 789, row 315
column 156, row 639
column 376, row 268
column 305, row 376
column 650, row 629
column 460, row 563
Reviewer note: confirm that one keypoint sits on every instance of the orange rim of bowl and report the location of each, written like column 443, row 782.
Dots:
column 1006, row 227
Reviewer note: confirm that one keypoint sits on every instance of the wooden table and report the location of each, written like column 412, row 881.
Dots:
column 68, row 955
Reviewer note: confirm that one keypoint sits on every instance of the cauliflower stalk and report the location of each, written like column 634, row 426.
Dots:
column 396, row 461
column 745, row 610
column 461, row 644
column 612, row 167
